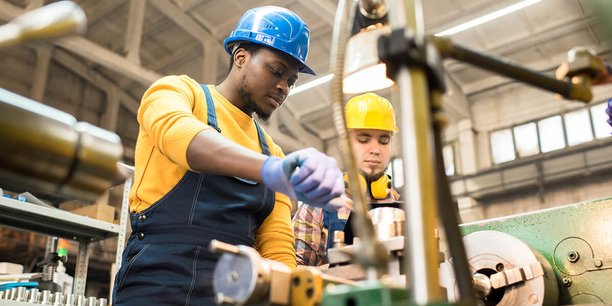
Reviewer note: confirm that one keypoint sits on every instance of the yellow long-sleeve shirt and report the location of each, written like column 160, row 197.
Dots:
column 172, row 112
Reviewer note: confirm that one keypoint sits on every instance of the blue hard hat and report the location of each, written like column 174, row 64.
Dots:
column 275, row 27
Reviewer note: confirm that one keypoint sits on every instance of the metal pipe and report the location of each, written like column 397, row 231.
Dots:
column 421, row 252
column 509, row 69
column 45, row 150
column 49, row 21
column 372, row 255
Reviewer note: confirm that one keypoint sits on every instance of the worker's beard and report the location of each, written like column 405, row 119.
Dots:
column 251, row 105
column 373, row 177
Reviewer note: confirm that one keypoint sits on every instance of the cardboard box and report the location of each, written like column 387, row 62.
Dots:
column 98, row 211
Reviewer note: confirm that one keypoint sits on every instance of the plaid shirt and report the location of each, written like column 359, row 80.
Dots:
column 311, row 234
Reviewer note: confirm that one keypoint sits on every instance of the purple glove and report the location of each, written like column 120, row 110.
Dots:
column 308, row 175
column 609, row 112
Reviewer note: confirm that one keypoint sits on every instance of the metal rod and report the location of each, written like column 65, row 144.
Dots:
column 421, row 255
column 371, row 255
column 217, row 246
column 509, row 69
column 448, row 213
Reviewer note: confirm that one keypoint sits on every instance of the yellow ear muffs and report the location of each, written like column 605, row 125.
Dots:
column 379, row 189
column 362, row 182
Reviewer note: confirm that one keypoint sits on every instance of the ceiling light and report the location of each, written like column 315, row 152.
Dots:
column 486, row 18
column 311, row 84
column 363, row 70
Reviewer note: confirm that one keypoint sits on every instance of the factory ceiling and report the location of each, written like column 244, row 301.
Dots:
column 100, row 76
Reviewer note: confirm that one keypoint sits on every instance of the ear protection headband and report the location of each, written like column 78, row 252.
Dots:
column 379, row 189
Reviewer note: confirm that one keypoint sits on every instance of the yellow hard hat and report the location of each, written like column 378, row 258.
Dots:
column 370, row 111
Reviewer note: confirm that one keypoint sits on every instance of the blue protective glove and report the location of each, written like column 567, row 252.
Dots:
column 308, row 175
column 609, row 112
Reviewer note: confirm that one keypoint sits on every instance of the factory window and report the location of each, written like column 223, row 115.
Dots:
column 578, row 127
column 502, row 146
column 448, row 155
column 397, row 170
column 600, row 126
column 551, row 134
column 526, row 139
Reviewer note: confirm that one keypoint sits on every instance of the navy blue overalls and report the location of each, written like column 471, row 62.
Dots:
column 166, row 261
column 333, row 223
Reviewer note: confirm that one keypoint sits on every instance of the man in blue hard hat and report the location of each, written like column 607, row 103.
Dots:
column 204, row 169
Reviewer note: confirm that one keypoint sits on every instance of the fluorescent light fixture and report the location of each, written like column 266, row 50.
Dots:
column 311, row 84
column 363, row 70
column 486, row 18
column 371, row 78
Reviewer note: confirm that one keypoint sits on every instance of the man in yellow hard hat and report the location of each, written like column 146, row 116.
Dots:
column 371, row 122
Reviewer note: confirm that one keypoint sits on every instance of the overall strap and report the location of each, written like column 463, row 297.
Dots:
column 210, row 106
column 262, row 140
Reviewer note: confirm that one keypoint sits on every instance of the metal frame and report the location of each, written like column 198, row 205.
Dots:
column 64, row 224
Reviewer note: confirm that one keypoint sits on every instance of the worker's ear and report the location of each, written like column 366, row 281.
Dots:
column 240, row 56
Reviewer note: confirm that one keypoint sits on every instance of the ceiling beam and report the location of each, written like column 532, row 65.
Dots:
column 100, row 9
column 186, row 22
column 187, row 5
column 9, row 11
column 133, row 33
column 93, row 52
column 41, row 71
column 109, row 59
column 96, row 79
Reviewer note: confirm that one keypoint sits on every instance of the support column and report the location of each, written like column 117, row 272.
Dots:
column 467, row 151
column 133, row 34
column 109, row 118
column 41, row 72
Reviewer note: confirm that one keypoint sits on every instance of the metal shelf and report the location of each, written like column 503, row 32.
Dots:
column 15, row 303
column 53, row 221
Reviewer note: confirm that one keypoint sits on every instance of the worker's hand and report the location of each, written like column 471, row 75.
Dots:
column 308, row 175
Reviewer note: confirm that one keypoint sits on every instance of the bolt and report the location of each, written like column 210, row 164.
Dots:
column 234, row 275
column 598, row 263
column 573, row 256
column 567, row 281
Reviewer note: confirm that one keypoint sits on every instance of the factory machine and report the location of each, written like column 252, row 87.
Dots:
column 549, row 257
column 537, row 258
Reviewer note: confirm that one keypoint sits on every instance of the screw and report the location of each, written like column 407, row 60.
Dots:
column 234, row 276
column 567, row 281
